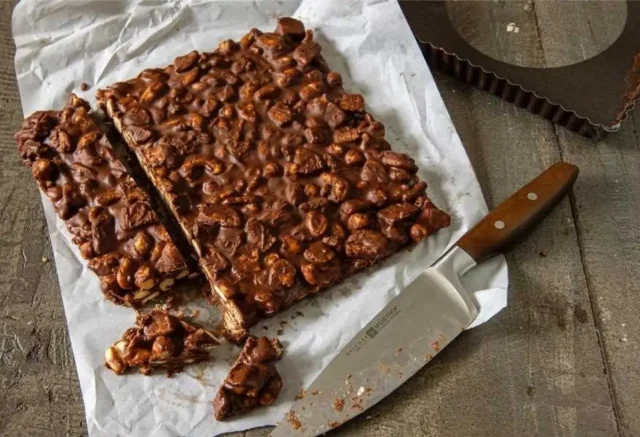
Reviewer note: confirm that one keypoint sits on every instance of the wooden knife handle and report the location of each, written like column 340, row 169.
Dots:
column 519, row 213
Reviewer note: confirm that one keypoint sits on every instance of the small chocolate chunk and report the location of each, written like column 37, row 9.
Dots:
column 136, row 215
column 160, row 340
column 433, row 219
column 229, row 240
column 103, row 231
column 282, row 273
column 352, row 103
column 319, row 253
column 306, row 52
column 322, row 275
column 159, row 323
column 253, row 380
column 308, row 161
column 398, row 212
column 316, row 223
column 43, row 170
column 218, row 215
column 374, row 172
column 213, row 260
column 258, row 235
column 399, row 160
column 334, row 78
column 170, row 261
column 366, row 244
column 291, row 27
column 273, row 44
column 61, row 141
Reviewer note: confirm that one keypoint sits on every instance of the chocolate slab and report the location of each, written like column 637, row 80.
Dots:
column 590, row 97
column 282, row 180
column 104, row 209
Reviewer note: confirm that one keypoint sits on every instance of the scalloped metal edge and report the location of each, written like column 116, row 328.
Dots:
column 486, row 80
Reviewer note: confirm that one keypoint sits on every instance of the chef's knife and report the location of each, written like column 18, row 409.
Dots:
column 424, row 318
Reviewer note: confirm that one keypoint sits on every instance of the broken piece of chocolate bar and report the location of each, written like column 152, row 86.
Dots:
column 107, row 213
column 160, row 340
column 281, row 180
column 253, row 380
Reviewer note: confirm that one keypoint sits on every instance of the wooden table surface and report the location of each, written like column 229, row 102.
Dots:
column 563, row 359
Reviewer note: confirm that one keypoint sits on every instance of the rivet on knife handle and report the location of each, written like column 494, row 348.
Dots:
column 519, row 213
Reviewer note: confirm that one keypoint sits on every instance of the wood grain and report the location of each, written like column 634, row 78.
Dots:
column 543, row 367
column 606, row 203
column 563, row 32
column 41, row 395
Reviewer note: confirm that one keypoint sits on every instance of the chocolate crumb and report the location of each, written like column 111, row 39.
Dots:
column 436, row 346
column 293, row 420
column 84, row 86
column 338, row 405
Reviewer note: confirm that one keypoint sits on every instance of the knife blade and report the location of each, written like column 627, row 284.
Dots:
column 423, row 319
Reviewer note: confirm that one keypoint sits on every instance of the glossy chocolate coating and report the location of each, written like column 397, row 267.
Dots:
column 281, row 180
column 107, row 213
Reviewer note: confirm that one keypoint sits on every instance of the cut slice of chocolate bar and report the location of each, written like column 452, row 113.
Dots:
column 281, row 180
column 104, row 209
column 253, row 380
column 160, row 340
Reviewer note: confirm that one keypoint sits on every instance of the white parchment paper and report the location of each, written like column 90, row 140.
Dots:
column 62, row 43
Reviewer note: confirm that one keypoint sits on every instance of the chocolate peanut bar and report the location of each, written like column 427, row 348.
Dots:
column 107, row 213
column 160, row 340
column 282, row 181
column 253, row 380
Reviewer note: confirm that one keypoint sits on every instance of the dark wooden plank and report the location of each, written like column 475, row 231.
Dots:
column 606, row 204
column 41, row 395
